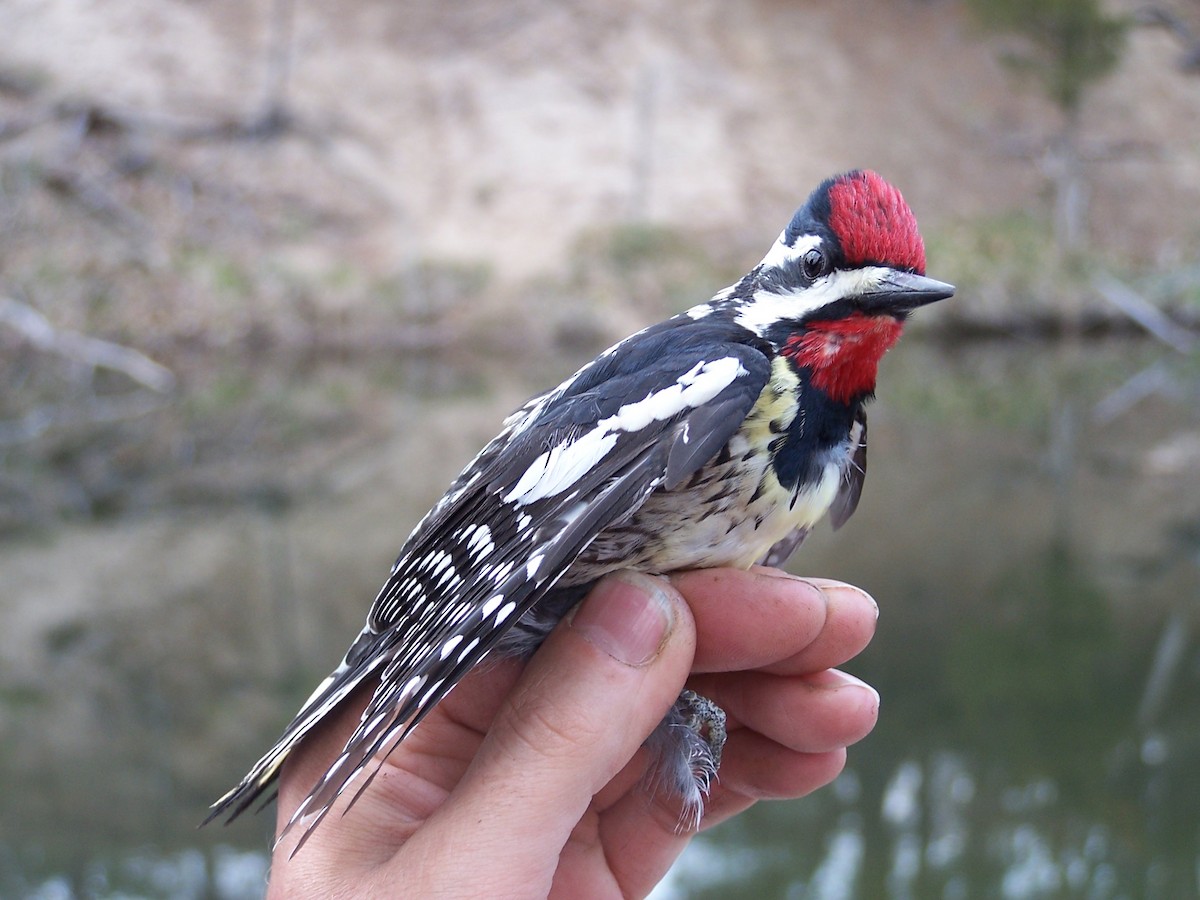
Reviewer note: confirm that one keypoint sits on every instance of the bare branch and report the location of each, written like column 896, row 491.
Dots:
column 93, row 352
column 1156, row 16
column 1144, row 313
column 1149, row 382
column 1170, row 656
column 99, row 202
column 279, row 64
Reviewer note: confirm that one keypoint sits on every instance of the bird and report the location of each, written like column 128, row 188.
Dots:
column 716, row 438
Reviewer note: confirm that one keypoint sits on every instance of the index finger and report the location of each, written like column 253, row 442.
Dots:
column 768, row 620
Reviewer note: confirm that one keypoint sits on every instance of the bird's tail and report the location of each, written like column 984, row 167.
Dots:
column 327, row 697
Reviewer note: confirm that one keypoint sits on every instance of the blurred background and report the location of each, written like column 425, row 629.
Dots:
column 271, row 271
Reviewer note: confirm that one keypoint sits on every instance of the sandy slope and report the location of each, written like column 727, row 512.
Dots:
column 500, row 131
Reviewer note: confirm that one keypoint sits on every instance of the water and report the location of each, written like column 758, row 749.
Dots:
column 1037, row 569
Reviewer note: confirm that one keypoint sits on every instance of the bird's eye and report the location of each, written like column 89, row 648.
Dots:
column 813, row 263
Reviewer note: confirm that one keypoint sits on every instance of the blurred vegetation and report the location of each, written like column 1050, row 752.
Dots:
column 645, row 271
column 1069, row 45
column 289, row 347
column 158, row 237
column 1008, row 266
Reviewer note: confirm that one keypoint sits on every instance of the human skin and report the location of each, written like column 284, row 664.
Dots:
column 527, row 780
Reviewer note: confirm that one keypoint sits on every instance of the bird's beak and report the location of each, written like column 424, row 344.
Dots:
column 901, row 291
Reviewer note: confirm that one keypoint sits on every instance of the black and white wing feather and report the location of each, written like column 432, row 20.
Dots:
column 583, row 457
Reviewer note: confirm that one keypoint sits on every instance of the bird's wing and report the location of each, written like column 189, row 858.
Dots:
column 782, row 549
column 647, row 413
column 844, row 503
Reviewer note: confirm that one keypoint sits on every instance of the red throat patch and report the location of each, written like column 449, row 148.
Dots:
column 844, row 354
column 874, row 224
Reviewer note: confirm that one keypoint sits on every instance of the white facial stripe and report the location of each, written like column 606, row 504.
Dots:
column 563, row 465
column 767, row 308
column 781, row 254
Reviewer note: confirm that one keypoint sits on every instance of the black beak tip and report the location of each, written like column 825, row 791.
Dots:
column 928, row 290
column 904, row 291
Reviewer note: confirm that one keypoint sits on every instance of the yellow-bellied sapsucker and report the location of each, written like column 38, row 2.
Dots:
column 716, row 438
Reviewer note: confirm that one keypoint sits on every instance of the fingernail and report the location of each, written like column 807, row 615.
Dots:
column 773, row 572
column 845, row 679
column 628, row 616
column 839, row 590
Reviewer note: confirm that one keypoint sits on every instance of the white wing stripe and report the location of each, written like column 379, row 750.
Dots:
column 560, row 467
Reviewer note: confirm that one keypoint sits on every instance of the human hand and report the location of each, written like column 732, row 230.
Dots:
column 526, row 781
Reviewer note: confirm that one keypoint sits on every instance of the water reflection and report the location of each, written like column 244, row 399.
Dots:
column 1036, row 655
column 220, row 872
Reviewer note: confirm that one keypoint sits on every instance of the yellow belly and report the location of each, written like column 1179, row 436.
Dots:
column 732, row 511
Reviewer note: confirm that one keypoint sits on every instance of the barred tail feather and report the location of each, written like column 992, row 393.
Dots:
column 329, row 694
column 406, row 694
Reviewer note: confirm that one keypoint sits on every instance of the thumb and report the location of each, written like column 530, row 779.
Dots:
column 594, row 691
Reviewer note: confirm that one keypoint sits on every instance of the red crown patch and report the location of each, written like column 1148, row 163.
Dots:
column 874, row 224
